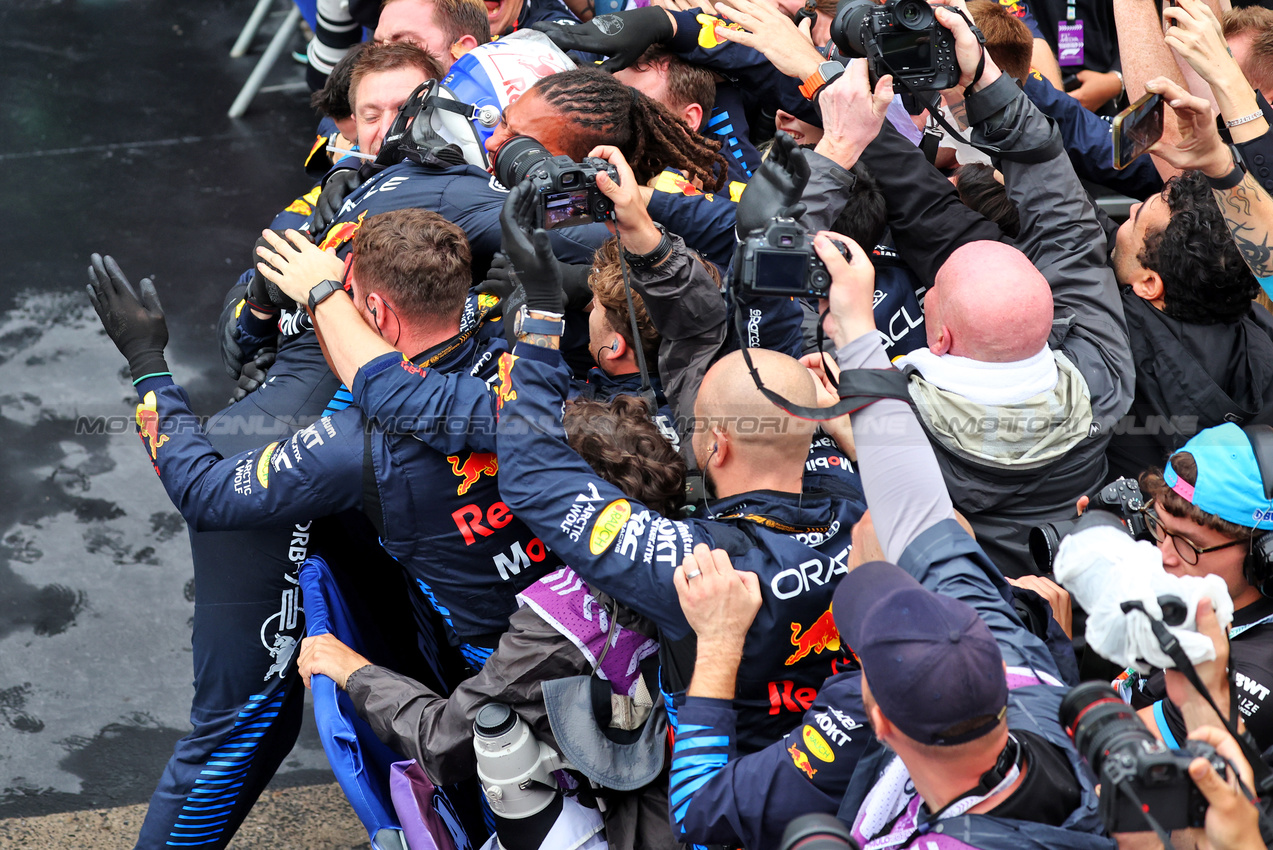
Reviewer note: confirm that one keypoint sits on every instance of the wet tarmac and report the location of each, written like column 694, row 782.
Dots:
column 116, row 141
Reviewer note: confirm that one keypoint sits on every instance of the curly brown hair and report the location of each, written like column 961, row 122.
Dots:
column 606, row 282
column 620, row 442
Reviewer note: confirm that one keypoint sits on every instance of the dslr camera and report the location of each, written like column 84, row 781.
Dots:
column 1121, row 498
column 900, row 37
column 568, row 193
column 1128, row 758
column 780, row 260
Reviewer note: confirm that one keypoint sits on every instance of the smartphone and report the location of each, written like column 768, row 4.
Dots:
column 1136, row 129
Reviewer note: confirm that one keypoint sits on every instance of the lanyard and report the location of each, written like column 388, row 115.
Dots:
column 1069, row 11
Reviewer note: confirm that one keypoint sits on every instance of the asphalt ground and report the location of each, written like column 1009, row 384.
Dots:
column 116, row 141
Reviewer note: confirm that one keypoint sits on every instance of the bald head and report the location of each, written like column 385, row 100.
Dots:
column 728, row 401
column 989, row 303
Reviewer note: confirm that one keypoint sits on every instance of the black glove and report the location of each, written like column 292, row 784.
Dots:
column 231, row 351
column 254, row 374
column 135, row 324
column 262, row 295
column 574, row 282
column 338, row 186
column 775, row 189
column 622, row 36
column 530, row 252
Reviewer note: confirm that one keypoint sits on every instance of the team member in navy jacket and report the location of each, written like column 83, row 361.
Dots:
column 438, row 513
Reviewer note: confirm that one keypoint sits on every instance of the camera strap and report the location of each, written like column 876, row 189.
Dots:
column 858, row 387
column 647, row 387
column 1260, row 770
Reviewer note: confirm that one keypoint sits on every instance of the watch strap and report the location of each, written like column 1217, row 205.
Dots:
column 527, row 324
column 322, row 291
column 816, row 81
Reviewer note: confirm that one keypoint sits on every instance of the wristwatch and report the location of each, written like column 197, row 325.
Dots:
column 524, row 323
column 322, row 291
column 826, row 72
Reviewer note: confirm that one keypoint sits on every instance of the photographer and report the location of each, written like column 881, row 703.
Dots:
column 1200, row 510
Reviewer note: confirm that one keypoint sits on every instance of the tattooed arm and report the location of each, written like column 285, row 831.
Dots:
column 1246, row 206
column 1248, row 211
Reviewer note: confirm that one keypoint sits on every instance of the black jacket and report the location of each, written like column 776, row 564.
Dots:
column 1190, row 377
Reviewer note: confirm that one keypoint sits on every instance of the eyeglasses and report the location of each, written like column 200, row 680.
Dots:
column 1188, row 552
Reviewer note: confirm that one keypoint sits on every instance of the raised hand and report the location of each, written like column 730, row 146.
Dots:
column 134, row 322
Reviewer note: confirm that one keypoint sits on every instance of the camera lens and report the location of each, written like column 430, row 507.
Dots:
column 1044, row 541
column 846, row 27
column 914, row 14
column 516, row 158
column 1100, row 723
column 817, row 831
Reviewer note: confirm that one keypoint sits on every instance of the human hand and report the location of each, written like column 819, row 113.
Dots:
column 775, row 189
column 1057, row 597
column 719, row 602
column 632, row 221
column 254, row 374
column 1194, row 32
column 622, row 36
column 823, row 368
column 1214, row 675
column 265, row 299
column 1200, row 146
column 296, row 265
column 338, row 186
column 530, row 252
column 1232, row 821
column 849, row 311
column 1096, row 88
column 852, row 114
column 767, row 29
column 134, row 322
column 969, row 52
column 325, row 654
column 684, row 5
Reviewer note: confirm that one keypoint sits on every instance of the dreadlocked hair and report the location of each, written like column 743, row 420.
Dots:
column 650, row 137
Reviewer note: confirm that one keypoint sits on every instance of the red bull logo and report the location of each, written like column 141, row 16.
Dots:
column 148, row 426
column 506, row 391
column 820, row 636
column 801, row 761
column 474, row 467
column 341, row 233
column 707, row 38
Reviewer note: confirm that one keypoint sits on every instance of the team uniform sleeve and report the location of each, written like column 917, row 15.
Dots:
column 315, row 473
column 717, row 798
column 449, row 412
column 705, row 222
column 616, row 544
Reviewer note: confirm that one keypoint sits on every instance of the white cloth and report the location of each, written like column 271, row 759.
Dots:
column 576, row 828
column 1103, row 568
column 985, row 383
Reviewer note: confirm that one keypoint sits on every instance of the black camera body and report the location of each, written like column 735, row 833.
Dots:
column 1121, row 498
column 900, row 37
column 1127, row 757
column 567, row 189
column 780, row 260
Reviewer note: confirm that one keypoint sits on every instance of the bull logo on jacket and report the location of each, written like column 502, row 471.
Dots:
column 505, row 393
column 474, row 467
column 819, row 637
column 341, row 233
column 148, row 426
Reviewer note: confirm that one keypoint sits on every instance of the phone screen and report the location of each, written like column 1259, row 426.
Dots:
column 1137, row 128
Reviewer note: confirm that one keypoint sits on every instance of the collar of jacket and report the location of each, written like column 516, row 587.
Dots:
column 786, row 513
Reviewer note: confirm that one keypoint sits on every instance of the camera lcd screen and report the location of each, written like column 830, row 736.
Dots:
column 907, row 50
column 566, row 209
column 782, row 272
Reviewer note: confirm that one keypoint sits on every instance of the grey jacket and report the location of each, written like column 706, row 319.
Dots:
column 1062, row 237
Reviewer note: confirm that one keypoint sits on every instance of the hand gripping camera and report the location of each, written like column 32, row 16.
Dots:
column 1139, row 774
column 1121, row 498
column 900, row 37
column 567, row 189
column 780, row 260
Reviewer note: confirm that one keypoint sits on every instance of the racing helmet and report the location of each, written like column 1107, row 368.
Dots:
column 465, row 107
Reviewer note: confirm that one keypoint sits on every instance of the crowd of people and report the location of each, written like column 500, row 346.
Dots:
column 776, row 435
